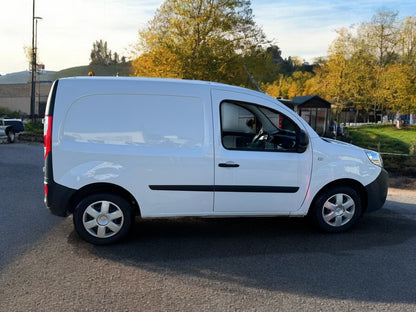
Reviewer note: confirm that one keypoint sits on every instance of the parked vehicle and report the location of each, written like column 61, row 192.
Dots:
column 120, row 147
column 7, row 133
column 9, row 127
column 16, row 123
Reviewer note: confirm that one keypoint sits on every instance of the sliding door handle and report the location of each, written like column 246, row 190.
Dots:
column 228, row 165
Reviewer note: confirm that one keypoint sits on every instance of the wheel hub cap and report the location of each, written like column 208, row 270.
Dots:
column 338, row 210
column 102, row 220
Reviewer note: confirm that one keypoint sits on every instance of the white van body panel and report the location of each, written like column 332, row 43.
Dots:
column 117, row 146
column 161, row 141
column 258, row 168
column 335, row 160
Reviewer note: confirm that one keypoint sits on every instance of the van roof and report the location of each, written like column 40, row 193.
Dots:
column 160, row 80
column 188, row 81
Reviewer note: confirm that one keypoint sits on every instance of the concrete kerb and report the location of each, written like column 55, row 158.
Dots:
column 30, row 137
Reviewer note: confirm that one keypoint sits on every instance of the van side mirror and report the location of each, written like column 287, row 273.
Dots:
column 302, row 139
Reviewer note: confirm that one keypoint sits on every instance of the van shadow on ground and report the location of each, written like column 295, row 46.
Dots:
column 372, row 262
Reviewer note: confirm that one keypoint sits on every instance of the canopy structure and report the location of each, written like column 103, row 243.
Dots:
column 315, row 110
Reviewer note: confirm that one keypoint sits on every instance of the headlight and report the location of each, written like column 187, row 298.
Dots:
column 375, row 158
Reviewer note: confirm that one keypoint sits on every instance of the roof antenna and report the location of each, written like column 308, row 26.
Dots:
column 252, row 78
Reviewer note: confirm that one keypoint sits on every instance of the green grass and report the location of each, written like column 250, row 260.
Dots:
column 387, row 139
column 384, row 138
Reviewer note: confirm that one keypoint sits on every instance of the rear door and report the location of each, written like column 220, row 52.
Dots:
column 257, row 168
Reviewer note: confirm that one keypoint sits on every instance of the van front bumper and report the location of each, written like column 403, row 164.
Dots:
column 377, row 191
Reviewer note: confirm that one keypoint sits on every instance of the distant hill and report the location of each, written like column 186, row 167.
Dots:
column 24, row 77
column 122, row 69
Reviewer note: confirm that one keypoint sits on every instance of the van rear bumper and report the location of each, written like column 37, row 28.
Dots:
column 377, row 191
column 57, row 199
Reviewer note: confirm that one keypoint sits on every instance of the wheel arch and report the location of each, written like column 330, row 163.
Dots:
column 103, row 188
column 354, row 184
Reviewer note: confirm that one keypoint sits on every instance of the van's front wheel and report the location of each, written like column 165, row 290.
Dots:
column 102, row 218
column 336, row 209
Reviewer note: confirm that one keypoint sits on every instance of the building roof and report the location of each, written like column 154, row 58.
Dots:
column 288, row 103
column 306, row 101
column 311, row 101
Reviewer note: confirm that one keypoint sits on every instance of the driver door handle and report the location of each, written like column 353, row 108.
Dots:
column 228, row 165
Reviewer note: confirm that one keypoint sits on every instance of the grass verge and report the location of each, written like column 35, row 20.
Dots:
column 397, row 146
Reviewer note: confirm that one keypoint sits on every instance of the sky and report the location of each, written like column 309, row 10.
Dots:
column 68, row 28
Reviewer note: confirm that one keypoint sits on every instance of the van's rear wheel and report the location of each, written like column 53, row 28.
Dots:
column 336, row 209
column 103, row 218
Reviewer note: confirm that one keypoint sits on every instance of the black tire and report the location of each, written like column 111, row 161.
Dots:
column 103, row 218
column 336, row 209
column 11, row 136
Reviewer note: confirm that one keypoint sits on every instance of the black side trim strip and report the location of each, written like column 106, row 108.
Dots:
column 191, row 188
column 255, row 189
column 226, row 188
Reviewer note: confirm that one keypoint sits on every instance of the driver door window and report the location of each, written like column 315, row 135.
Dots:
column 251, row 127
column 238, row 126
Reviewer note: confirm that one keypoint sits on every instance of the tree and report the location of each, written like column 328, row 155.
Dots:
column 288, row 87
column 199, row 39
column 29, row 54
column 382, row 36
column 158, row 63
column 101, row 55
column 407, row 43
column 116, row 58
column 332, row 75
column 262, row 63
column 371, row 66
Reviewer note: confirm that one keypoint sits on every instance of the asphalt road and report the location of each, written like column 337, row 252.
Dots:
column 263, row 264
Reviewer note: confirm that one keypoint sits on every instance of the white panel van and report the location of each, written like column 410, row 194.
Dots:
column 120, row 147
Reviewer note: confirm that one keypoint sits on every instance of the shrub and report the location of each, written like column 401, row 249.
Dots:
column 34, row 127
column 5, row 112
